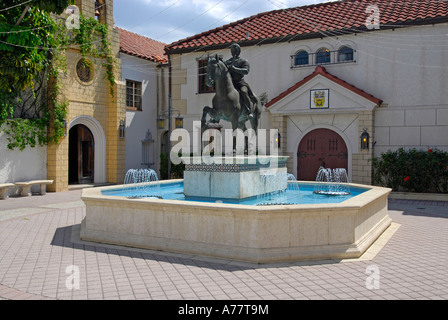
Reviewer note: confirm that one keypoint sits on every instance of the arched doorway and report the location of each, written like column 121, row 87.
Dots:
column 320, row 147
column 81, row 155
column 100, row 145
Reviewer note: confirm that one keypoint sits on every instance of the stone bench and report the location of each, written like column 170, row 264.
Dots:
column 26, row 186
column 4, row 190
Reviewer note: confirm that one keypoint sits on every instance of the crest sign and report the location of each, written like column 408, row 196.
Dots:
column 319, row 98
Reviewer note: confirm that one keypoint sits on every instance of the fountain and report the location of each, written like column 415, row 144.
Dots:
column 274, row 226
column 281, row 196
column 137, row 182
column 212, row 211
column 332, row 182
column 140, row 176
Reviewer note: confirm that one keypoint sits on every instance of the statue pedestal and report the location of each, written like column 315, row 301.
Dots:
column 234, row 177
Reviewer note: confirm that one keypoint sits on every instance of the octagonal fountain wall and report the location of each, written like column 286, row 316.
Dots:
column 256, row 234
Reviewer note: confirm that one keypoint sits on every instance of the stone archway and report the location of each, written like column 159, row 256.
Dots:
column 81, row 153
column 99, row 163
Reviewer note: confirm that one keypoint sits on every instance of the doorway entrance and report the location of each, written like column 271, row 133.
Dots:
column 81, row 155
column 320, row 148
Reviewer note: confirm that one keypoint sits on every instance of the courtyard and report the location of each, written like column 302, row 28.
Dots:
column 42, row 257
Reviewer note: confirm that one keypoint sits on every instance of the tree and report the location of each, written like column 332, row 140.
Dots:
column 26, row 46
column 32, row 42
column 29, row 39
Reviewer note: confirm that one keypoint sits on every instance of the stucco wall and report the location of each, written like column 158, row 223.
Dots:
column 139, row 122
column 16, row 165
column 406, row 68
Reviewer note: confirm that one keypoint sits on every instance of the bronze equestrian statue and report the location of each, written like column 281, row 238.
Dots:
column 234, row 101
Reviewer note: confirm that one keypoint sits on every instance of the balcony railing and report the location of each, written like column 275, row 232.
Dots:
column 323, row 58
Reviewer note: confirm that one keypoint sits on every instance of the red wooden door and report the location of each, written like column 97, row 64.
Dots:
column 320, row 148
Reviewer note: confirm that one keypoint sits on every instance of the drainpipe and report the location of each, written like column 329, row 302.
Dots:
column 169, row 115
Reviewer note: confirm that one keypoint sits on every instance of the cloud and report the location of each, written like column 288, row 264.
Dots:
column 171, row 20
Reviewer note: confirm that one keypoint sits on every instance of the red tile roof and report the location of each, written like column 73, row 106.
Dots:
column 323, row 72
column 325, row 19
column 142, row 47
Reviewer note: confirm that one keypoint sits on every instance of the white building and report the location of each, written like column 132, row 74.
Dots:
column 144, row 70
column 387, row 77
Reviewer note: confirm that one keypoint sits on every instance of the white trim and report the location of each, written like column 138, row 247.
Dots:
column 99, row 147
column 299, row 138
column 359, row 103
column 301, row 48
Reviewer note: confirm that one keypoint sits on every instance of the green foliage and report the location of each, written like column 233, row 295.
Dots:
column 412, row 170
column 177, row 170
column 32, row 47
column 55, row 6
column 86, row 38
column 24, row 48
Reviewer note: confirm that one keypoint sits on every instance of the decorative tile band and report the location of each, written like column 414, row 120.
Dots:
column 231, row 167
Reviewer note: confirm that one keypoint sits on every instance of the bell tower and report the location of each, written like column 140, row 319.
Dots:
column 92, row 105
column 102, row 10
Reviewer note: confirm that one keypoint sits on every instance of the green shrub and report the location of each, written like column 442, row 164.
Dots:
column 412, row 170
column 177, row 170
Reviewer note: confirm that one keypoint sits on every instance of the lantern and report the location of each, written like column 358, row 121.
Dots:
column 365, row 140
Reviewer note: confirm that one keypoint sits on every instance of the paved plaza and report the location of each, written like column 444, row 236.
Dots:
column 42, row 257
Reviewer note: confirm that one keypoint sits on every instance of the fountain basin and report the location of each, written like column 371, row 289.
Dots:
column 256, row 234
column 234, row 177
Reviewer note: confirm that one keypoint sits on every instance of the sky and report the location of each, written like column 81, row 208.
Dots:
column 171, row 20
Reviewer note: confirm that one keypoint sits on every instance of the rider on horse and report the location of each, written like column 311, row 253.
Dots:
column 238, row 68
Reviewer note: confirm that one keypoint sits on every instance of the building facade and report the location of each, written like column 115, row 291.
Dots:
column 334, row 75
column 106, row 134
column 92, row 151
column 145, row 73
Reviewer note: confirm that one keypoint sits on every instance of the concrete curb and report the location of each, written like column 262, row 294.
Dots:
column 419, row 196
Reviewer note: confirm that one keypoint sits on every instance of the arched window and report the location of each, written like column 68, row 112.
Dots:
column 323, row 56
column 301, row 58
column 345, row 53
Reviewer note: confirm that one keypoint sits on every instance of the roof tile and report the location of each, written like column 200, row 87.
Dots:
column 345, row 15
column 141, row 47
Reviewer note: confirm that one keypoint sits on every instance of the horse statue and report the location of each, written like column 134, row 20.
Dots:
column 226, row 103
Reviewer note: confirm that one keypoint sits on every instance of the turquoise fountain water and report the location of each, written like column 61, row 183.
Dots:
column 143, row 183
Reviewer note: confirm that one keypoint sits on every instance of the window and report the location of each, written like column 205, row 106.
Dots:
column 133, row 95
column 84, row 71
column 304, row 58
column 301, row 58
column 323, row 56
column 345, row 54
column 202, row 71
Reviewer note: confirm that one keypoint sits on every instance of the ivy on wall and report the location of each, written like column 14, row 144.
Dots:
column 86, row 37
column 32, row 60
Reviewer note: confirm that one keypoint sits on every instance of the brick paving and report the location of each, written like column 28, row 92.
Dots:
column 38, row 243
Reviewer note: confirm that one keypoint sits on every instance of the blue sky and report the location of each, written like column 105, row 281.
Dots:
column 171, row 20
